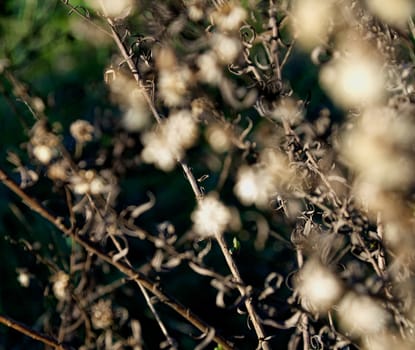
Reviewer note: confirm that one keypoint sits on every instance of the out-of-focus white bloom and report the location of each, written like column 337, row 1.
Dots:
column 43, row 153
column 44, row 143
column 181, row 129
column 229, row 16
column 23, row 277
column 354, row 80
column 375, row 148
column 88, row 181
column 218, row 138
column 387, row 341
column 211, row 216
column 209, row 69
column 278, row 166
column 174, row 85
column 157, row 151
column 136, row 118
column 319, row 289
column 167, row 144
column 361, row 315
column 288, row 109
column 393, row 12
column 195, row 10
column 38, row 104
column 259, row 183
column 82, row 131
column 102, row 315
column 60, row 285
column 117, row 9
column 132, row 101
column 226, row 47
column 311, row 21
column 254, row 185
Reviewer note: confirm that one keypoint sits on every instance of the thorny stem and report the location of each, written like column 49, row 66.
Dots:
column 43, row 338
column 132, row 273
column 197, row 192
column 274, row 39
column 304, row 318
column 243, row 291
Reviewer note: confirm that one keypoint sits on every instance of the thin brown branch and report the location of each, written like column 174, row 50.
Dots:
column 22, row 328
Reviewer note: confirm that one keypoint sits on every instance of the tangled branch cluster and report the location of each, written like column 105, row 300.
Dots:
column 292, row 203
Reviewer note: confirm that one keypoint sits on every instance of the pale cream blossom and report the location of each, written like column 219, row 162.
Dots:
column 132, row 101
column 387, row 341
column 167, row 144
column 60, row 285
column 255, row 185
column 111, row 8
column 218, row 138
column 44, row 143
column 195, row 10
column 211, row 216
column 311, row 20
column 102, row 314
column 227, row 48
column 82, row 131
column 209, row 68
column 319, row 288
column 354, row 79
column 43, row 153
column 376, row 148
column 229, row 16
column 361, row 315
column 88, row 181
column 23, row 277
column 394, row 12
column 174, row 85
column 289, row 110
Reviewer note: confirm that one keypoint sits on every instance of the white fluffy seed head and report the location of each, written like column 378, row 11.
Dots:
column 319, row 289
column 211, row 216
column 356, row 78
column 165, row 145
column 360, row 315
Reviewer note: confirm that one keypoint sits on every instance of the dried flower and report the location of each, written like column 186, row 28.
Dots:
column 60, row 285
column 43, row 143
column 88, row 181
column 211, row 216
column 82, row 131
column 102, row 315
column 288, row 109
